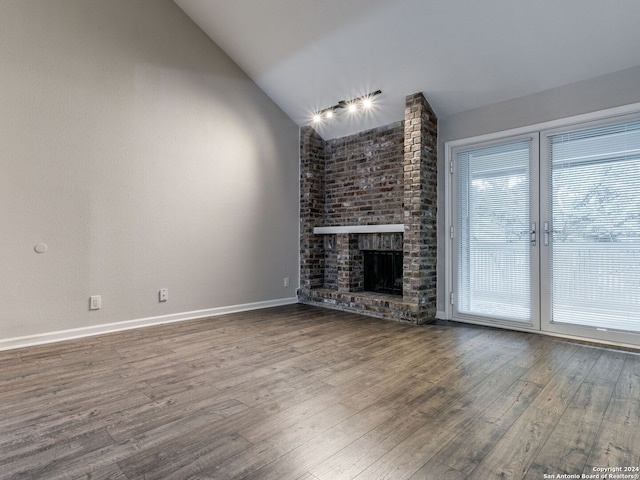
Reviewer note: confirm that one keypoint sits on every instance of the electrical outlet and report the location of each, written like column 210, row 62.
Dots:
column 95, row 302
column 286, row 281
column 163, row 294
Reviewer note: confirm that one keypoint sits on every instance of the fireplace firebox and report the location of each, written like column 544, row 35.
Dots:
column 383, row 272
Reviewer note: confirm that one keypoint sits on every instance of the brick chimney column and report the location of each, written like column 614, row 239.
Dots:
column 420, row 207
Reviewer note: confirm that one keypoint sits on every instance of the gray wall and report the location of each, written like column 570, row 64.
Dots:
column 607, row 91
column 144, row 158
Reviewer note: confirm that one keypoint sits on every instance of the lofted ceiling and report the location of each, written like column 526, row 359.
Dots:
column 307, row 55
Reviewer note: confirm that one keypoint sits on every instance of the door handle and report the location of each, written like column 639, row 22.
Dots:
column 546, row 234
column 533, row 234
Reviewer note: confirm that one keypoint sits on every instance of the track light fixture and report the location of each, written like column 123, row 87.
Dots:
column 364, row 102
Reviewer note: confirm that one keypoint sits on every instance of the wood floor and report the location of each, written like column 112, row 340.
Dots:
column 303, row 393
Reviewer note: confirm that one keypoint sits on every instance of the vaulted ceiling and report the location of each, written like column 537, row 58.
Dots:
column 307, row 55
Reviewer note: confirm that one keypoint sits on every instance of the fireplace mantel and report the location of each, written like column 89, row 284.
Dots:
column 387, row 228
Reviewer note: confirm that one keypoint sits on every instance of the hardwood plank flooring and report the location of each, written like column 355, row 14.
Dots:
column 302, row 393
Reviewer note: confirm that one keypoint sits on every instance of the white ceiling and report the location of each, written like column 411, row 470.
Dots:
column 462, row 54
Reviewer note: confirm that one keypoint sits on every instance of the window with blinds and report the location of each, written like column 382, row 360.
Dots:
column 493, row 242
column 595, row 226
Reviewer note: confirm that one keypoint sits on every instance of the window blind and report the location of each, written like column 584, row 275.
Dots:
column 493, row 231
column 595, row 226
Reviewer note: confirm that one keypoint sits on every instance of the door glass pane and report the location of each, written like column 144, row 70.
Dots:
column 595, row 219
column 493, row 247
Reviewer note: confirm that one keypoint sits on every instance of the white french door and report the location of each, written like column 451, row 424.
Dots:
column 591, row 263
column 546, row 231
column 495, row 233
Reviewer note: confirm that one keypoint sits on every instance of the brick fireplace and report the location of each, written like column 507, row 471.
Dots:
column 374, row 191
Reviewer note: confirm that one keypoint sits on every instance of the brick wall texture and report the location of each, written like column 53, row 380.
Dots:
column 311, row 208
column 363, row 177
column 420, row 201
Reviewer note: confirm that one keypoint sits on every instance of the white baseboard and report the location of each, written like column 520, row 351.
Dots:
column 441, row 315
column 50, row 337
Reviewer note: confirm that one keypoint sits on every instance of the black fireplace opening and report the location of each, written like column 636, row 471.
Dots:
column 383, row 272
